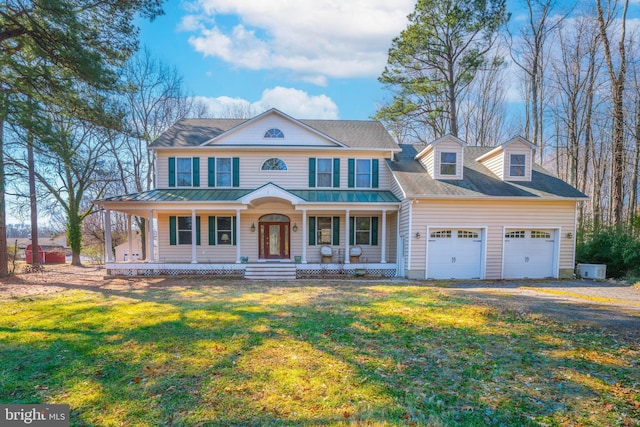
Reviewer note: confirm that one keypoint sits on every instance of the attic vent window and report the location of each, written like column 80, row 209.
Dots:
column 274, row 164
column 274, row 133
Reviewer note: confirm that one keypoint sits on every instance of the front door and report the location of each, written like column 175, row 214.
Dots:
column 274, row 239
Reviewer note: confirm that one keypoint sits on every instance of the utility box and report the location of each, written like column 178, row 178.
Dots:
column 592, row 271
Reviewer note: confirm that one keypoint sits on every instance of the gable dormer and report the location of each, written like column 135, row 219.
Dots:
column 443, row 158
column 511, row 161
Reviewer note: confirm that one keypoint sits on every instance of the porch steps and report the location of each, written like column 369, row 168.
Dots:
column 267, row 271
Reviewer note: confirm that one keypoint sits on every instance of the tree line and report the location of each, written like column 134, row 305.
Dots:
column 573, row 68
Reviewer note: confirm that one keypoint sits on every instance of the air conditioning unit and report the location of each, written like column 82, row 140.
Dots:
column 592, row 271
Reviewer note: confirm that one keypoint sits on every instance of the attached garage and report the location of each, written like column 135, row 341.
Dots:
column 455, row 253
column 530, row 253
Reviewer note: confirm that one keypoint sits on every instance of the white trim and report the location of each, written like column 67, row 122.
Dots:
column 237, row 231
column 410, row 238
column 347, row 260
column 108, row 251
column 151, row 255
column 483, row 250
column 194, row 237
column 130, row 237
column 304, row 236
column 271, row 190
column 383, row 238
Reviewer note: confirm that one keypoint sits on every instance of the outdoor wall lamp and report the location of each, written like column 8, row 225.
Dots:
column 253, row 228
column 295, row 228
column 417, row 235
column 569, row 235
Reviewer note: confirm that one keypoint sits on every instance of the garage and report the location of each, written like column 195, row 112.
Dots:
column 455, row 253
column 529, row 253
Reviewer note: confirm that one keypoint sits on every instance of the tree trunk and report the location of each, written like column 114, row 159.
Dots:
column 35, row 260
column 74, row 234
column 633, row 197
column 4, row 258
column 142, row 226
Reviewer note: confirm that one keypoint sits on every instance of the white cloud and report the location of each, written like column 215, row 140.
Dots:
column 314, row 39
column 294, row 102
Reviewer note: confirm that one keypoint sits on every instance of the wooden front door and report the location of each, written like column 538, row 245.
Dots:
column 274, row 240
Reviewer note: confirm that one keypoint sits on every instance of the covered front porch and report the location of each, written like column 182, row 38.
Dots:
column 346, row 233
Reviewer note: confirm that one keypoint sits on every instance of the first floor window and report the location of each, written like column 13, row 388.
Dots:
column 224, row 230
column 183, row 171
column 224, row 172
column 324, row 230
column 517, row 165
column 363, row 230
column 184, row 230
column 363, row 173
column 447, row 163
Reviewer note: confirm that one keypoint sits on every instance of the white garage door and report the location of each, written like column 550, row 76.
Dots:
column 529, row 253
column 454, row 253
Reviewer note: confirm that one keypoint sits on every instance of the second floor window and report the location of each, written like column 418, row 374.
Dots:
column 183, row 171
column 517, row 164
column 363, row 173
column 324, row 173
column 448, row 163
column 224, row 172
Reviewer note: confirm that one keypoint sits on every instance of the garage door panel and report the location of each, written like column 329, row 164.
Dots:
column 454, row 254
column 529, row 253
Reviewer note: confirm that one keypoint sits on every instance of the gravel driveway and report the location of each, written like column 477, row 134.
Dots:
column 603, row 305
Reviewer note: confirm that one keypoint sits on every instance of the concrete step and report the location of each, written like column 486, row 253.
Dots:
column 270, row 272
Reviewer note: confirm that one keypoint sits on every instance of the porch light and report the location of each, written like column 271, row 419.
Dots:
column 295, row 228
column 253, row 227
column 417, row 235
column 569, row 235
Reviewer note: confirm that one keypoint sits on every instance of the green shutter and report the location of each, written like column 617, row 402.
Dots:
column 312, row 231
column 336, row 173
column 233, row 232
column 196, row 171
column 374, row 173
column 212, row 230
column 352, row 173
column 312, row 172
column 172, row 230
column 352, row 230
column 374, row 231
column 336, row 230
column 198, row 230
column 172, row 172
column 211, row 167
column 236, row 171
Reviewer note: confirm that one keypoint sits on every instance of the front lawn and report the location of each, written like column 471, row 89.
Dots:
column 199, row 352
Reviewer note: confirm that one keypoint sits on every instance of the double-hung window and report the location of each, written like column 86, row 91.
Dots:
column 363, row 230
column 184, row 230
column 324, row 173
column 183, row 171
column 224, row 172
column 448, row 163
column 224, row 230
column 324, row 230
column 363, row 173
column 517, row 165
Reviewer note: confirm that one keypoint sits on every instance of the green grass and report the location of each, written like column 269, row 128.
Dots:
column 199, row 353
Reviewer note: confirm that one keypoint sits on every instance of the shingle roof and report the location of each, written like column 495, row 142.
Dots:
column 230, row 195
column 351, row 133
column 478, row 180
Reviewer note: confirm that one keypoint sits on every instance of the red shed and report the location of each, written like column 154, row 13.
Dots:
column 50, row 255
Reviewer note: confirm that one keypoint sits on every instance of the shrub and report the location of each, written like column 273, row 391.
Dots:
column 615, row 247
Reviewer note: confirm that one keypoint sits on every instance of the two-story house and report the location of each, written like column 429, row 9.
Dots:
column 277, row 197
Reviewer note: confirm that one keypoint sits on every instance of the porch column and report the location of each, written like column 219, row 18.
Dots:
column 151, row 257
column 194, row 238
column 108, row 251
column 304, row 236
column 130, row 238
column 347, row 233
column 238, row 246
column 383, row 238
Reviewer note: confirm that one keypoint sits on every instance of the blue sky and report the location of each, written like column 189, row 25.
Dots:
column 311, row 59
column 308, row 58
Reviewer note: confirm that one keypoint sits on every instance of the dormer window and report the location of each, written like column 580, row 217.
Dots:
column 274, row 164
column 517, row 164
column 448, row 163
column 274, row 133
